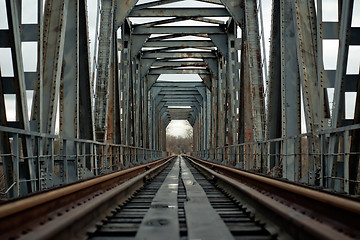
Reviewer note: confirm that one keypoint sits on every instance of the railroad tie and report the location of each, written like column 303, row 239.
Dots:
column 203, row 222
column 162, row 216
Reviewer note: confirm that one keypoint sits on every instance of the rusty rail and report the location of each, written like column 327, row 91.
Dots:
column 305, row 213
column 69, row 211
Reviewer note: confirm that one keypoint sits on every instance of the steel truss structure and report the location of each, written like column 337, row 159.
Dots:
column 110, row 118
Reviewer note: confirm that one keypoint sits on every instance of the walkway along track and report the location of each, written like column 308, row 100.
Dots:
column 180, row 203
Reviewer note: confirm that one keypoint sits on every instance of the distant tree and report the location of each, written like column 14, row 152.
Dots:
column 178, row 145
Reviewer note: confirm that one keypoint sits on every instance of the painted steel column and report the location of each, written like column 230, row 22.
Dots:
column 257, row 86
column 103, row 68
column 111, row 97
column 221, row 102
column 325, row 77
column 354, row 172
column 305, row 23
column 339, row 99
column 54, row 37
column 38, row 92
column 5, row 147
column 208, row 118
column 13, row 18
column 69, row 85
column 246, row 104
column 86, row 128
column 126, row 73
column 274, row 93
column 214, row 112
column 290, row 92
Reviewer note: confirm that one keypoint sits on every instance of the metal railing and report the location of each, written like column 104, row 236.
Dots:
column 306, row 158
column 57, row 160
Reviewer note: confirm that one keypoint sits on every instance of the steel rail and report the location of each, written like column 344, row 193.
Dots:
column 301, row 210
column 69, row 211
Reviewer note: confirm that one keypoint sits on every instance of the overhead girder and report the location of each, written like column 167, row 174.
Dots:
column 158, row 3
column 137, row 42
column 179, row 44
column 180, row 12
column 169, row 37
column 122, row 10
column 155, row 71
column 220, row 41
column 178, row 30
column 176, row 55
column 187, row 84
column 178, row 64
column 179, row 97
column 236, row 10
column 179, row 92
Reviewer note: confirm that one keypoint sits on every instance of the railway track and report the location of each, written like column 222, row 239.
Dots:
column 187, row 198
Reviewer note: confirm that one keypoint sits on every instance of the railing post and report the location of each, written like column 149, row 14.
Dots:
column 346, row 162
column 39, row 149
column 15, row 161
column 65, row 163
column 92, row 158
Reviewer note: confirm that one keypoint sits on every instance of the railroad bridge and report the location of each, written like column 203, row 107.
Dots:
column 94, row 84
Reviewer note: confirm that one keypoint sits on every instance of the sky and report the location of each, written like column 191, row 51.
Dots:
column 177, row 127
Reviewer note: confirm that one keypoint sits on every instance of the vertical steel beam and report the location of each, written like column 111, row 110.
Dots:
column 305, row 23
column 54, row 37
column 324, row 75
column 86, row 128
column 5, row 149
column 38, row 93
column 103, row 70
column 20, row 87
column 69, row 88
column 221, row 88
column 257, row 86
column 290, row 90
column 338, row 105
column 354, row 171
column 233, row 80
column 274, row 97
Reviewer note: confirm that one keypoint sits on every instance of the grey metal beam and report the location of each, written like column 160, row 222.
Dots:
column 235, row 8
column 178, row 97
column 207, row 78
column 179, row 92
column 13, row 17
column 153, row 4
column 180, row 12
column 151, row 79
column 181, row 103
column 175, row 55
column 189, row 84
column 122, row 10
column 253, row 45
column 155, row 71
column 103, row 69
column 137, row 42
column 145, row 65
column 176, row 43
column 179, row 64
column 178, row 30
column 290, row 90
column 161, row 22
column 181, row 89
column 339, row 101
column 5, row 147
column 169, row 37
column 212, row 64
column 221, row 42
